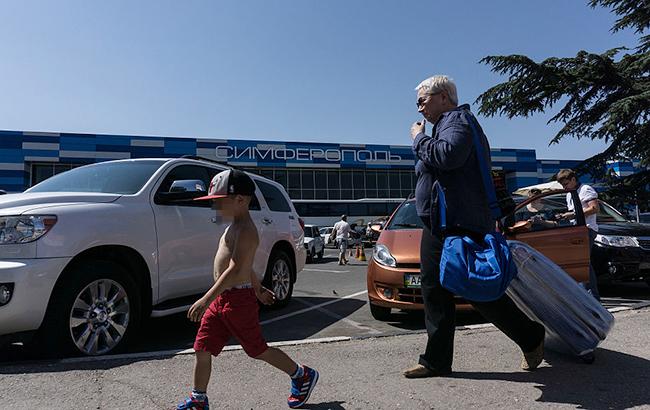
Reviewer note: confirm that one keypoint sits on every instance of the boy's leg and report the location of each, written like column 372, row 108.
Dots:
column 303, row 378
column 278, row 359
column 202, row 371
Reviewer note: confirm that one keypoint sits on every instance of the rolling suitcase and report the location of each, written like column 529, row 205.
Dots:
column 547, row 294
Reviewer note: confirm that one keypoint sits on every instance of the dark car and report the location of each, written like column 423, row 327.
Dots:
column 622, row 248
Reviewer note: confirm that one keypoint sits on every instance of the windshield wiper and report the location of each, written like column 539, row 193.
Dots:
column 405, row 225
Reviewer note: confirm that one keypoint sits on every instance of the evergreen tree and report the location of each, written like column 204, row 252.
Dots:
column 606, row 96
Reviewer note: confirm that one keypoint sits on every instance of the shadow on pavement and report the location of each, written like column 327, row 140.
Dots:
column 177, row 332
column 614, row 381
column 330, row 405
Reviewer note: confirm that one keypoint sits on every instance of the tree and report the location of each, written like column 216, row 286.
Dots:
column 606, row 96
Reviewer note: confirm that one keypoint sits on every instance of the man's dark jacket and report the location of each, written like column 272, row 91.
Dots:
column 449, row 157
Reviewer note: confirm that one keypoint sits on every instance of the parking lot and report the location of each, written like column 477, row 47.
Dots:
column 329, row 302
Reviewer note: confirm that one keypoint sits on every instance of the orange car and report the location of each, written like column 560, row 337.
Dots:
column 394, row 270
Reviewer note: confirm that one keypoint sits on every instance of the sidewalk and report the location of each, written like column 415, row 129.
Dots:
column 357, row 374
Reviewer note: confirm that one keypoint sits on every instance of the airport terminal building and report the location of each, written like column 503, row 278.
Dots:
column 307, row 170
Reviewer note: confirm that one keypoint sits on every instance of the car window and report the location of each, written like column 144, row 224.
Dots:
column 607, row 213
column 542, row 214
column 122, row 177
column 406, row 217
column 274, row 198
column 185, row 172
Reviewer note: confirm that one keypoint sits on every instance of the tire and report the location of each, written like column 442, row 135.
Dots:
column 279, row 278
column 379, row 312
column 94, row 311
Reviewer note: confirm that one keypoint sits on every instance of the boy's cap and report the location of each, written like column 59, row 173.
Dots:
column 229, row 182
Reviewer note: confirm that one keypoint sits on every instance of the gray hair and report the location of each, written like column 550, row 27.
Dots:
column 439, row 83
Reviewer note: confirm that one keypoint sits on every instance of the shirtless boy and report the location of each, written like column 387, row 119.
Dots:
column 230, row 307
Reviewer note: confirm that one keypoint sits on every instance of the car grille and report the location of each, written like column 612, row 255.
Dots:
column 412, row 295
column 408, row 265
column 644, row 243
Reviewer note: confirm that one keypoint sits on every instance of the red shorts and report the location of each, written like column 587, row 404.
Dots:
column 234, row 313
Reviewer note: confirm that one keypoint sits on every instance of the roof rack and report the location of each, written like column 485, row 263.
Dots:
column 200, row 158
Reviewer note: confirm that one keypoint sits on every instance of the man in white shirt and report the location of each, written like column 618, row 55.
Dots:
column 589, row 202
column 342, row 229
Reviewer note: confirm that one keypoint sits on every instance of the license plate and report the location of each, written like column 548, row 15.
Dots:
column 412, row 281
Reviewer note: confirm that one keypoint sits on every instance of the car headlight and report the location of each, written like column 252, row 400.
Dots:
column 617, row 241
column 383, row 257
column 24, row 229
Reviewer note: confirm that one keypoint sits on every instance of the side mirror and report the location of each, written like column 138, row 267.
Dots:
column 182, row 190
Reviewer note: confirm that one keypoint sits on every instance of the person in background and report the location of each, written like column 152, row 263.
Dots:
column 342, row 229
column 589, row 203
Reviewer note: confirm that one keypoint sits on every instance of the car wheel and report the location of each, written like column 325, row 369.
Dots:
column 278, row 278
column 94, row 311
column 379, row 312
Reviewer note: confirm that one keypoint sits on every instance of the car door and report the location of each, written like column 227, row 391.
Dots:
column 187, row 237
column 565, row 242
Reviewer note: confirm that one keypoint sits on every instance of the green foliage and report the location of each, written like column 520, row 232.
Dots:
column 604, row 96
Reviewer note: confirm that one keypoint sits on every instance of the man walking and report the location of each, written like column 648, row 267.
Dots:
column 448, row 158
column 342, row 229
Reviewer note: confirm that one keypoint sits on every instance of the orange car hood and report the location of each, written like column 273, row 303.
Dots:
column 403, row 244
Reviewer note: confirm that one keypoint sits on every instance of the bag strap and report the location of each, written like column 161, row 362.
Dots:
column 486, row 174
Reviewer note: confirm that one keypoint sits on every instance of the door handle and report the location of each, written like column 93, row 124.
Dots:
column 577, row 241
column 267, row 221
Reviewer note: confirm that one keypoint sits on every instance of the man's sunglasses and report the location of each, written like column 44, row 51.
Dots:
column 423, row 100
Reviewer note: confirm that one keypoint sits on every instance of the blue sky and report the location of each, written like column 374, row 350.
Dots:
column 338, row 71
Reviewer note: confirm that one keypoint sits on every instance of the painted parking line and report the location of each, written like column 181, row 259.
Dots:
column 326, row 270
column 180, row 352
column 314, row 307
column 367, row 329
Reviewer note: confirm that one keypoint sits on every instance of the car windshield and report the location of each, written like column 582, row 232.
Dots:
column 124, row 177
column 607, row 213
column 406, row 217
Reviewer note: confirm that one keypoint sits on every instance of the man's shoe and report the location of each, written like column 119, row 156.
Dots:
column 419, row 372
column 531, row 360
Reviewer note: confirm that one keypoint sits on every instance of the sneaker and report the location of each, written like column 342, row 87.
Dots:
column 192, row 403
column 302, row 387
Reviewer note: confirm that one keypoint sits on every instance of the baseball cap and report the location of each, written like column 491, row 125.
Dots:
column 229, row 182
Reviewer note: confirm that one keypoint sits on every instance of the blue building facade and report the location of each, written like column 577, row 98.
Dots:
column 307, row 170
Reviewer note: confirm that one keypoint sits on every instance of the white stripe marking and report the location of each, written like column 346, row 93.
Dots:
column 179, row 352
column 369, row 330
column 301, row 311
column 325, row 270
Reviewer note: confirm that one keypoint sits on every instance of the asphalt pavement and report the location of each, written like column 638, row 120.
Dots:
column 328, row 325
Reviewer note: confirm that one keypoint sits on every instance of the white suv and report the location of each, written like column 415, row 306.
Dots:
column 89, row 253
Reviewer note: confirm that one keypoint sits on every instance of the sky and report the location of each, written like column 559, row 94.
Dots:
column 339, row 71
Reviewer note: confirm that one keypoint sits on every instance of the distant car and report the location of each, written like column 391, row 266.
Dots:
column 314, row 243
column 3, row 192
column 394, row 277
column 325, row 233
column 621, row 250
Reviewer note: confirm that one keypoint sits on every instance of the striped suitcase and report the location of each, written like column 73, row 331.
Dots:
column 547, row 294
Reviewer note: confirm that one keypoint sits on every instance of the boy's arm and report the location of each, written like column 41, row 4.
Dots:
column 241, row 260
